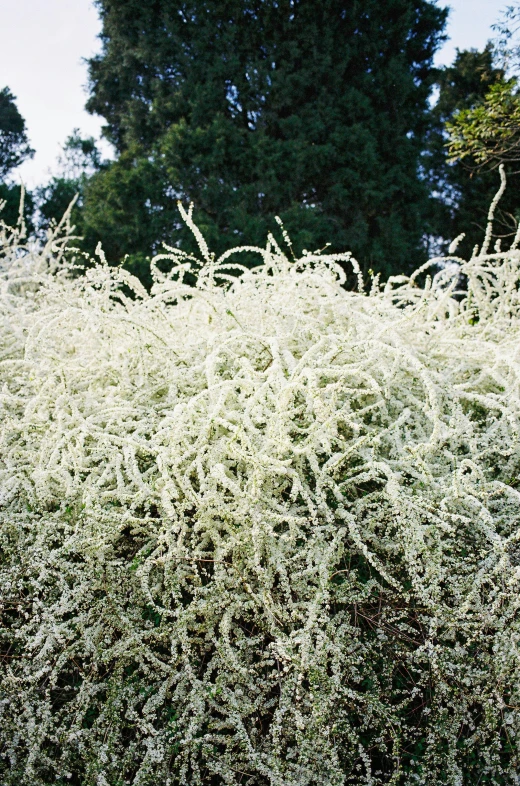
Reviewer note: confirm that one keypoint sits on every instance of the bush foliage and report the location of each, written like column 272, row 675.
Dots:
column 259, row 529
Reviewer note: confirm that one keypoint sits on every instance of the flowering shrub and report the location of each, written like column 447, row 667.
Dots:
column 261, row 530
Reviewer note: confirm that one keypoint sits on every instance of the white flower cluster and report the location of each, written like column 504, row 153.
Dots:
column 261, row 530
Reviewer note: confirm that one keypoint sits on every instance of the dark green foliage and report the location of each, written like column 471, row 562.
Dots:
column 14, row 145
column 11, row 195
column 463, row 194
column 55, row 197
column 314, row 112
column 124, row 210
column 14, row 148
column 79, row 160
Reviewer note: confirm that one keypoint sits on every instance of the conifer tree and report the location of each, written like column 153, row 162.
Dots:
column 14, row 149
column 316, row 112
column 14, row 145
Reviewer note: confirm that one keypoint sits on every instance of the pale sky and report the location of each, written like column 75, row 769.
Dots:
column 43, row 43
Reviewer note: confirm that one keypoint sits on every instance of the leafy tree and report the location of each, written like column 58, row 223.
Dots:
column 507, row 41
column 14, row 145
column 487, row 133
column 462, row 189
column 79, row 165
column 314, row 112
column 79, row 160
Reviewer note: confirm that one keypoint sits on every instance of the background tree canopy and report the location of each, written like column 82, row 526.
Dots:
column 318, row 113
column 462, row 191
column 323, row 115
column 14, row 148
column 488, row 133
column 14, row 145
column 80, row 159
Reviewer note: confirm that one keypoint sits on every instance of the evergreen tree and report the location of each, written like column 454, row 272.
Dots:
column 14, row 145
column 11, row 202
column 317, row 112
column 14, row 149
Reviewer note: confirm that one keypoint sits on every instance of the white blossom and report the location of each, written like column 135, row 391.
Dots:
column 260, row 530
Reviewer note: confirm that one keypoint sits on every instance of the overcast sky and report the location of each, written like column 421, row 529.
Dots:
column 43, row 43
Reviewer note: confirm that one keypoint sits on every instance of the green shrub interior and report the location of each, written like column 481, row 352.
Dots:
column 262, row 530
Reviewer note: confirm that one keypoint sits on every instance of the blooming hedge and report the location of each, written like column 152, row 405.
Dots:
column 261, row 530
